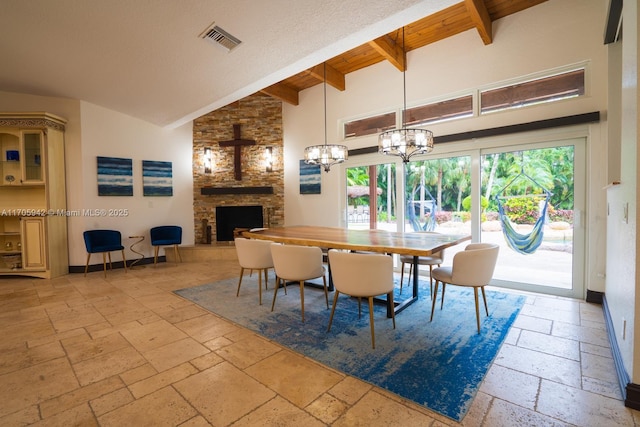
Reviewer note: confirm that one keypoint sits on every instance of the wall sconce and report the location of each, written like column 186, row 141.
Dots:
column 208, row 160
column 268, row 158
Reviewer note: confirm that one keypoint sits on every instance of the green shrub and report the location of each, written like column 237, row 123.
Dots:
column 522, row 210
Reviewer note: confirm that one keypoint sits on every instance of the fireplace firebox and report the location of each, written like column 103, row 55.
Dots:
column 229, row 218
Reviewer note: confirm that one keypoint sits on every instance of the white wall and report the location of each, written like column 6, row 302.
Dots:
column 94, row 131
column 572, row 33
column 112, row 134
column 622, row 240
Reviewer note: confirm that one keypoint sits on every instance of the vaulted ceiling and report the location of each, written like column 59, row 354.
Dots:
column 392, row 47
column 148, row 58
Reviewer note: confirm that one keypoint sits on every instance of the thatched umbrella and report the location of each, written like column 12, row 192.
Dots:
column 354, row 191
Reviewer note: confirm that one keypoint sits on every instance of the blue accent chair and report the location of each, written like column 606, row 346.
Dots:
column 166, row 235
column 104, row 242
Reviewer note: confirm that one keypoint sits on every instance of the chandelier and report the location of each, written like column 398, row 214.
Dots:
column 405, row 142
column 325, row 155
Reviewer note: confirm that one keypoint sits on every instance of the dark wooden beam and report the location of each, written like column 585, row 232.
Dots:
column 334, row 77
column 503, row 130
column 391, row 51
column 481, row 19
column 213, row 191
column 614, row 22
column 283, row 92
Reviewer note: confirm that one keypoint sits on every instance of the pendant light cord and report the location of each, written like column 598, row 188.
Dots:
column 404, row 81
column 325, row 101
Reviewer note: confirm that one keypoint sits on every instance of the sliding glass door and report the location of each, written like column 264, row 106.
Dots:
column 533, row 203
column 464, row 193
column 372, row 204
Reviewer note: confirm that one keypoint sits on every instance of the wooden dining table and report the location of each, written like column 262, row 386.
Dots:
column 381, row 241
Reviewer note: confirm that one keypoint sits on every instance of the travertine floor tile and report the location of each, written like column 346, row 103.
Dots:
column 294, row 377
column 207, row 327
column 67, row 318
column 153, row 335
column 223, row 394
column 505, row 414
column 248, row 351
column 276, row 412
column 512, row 386
column 175, row 353
column 35, row 384
column 162, row 408
column 375, row 410
column 580, row 407
column 543, row 365
column 557, row 346
column 106, row 365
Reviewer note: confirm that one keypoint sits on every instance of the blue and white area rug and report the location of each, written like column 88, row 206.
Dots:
column 438, row 364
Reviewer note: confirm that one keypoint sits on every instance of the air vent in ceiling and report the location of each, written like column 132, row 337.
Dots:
column 220, row 37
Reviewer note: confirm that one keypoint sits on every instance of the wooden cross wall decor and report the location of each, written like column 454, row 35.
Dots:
column 237, row 142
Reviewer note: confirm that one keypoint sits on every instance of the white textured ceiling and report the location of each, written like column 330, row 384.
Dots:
column 145, row 58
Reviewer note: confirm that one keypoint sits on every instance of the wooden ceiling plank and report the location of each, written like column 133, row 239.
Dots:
column 481, row 19
column 391, row 51
column 283, row 92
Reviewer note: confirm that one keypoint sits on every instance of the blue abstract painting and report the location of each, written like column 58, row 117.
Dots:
column 115, row 176
column 310, row 178
column 157, row 178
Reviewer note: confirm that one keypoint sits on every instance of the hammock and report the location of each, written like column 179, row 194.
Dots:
column 523, row 243
column 430, row 223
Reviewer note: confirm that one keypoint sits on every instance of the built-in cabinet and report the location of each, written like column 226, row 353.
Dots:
column 33, row 215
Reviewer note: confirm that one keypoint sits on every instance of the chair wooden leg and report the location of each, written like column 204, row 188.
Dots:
column 177, row 253
column 326, row 291
column 484, row 297
column 444, row 285
column 240, row 281
column 104, row 262
column 302, row 298
column 86, row 267
column 433, row 302
column 475, row 296
column 266, row 278
column 393, row 312
column 402, row 277
column 124, row 261
column 260, row 287
column 359, row 308
column 430, row 280
column 373, row 333
column 333, row 309
column 275, row 292
column 155, row 255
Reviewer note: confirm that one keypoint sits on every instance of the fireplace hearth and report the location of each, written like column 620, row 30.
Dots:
column 228, row 218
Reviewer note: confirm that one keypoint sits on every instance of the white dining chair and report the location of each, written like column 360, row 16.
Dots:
column 297, row 264
column 437, row 258
column 362, row 275
column 472, row 267
column 254, row 255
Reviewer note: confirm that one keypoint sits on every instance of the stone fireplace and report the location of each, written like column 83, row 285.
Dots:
column 260, row 118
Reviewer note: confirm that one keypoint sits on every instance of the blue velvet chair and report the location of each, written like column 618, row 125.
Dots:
column 104, row 242
column 166, row 235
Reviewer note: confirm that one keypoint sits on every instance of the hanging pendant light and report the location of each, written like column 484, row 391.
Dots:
column 325, row 155
column 405, row 142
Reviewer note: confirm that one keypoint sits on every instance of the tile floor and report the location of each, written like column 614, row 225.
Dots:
column 126, row 351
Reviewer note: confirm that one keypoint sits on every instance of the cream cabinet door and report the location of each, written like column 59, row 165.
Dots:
column 33, row 244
